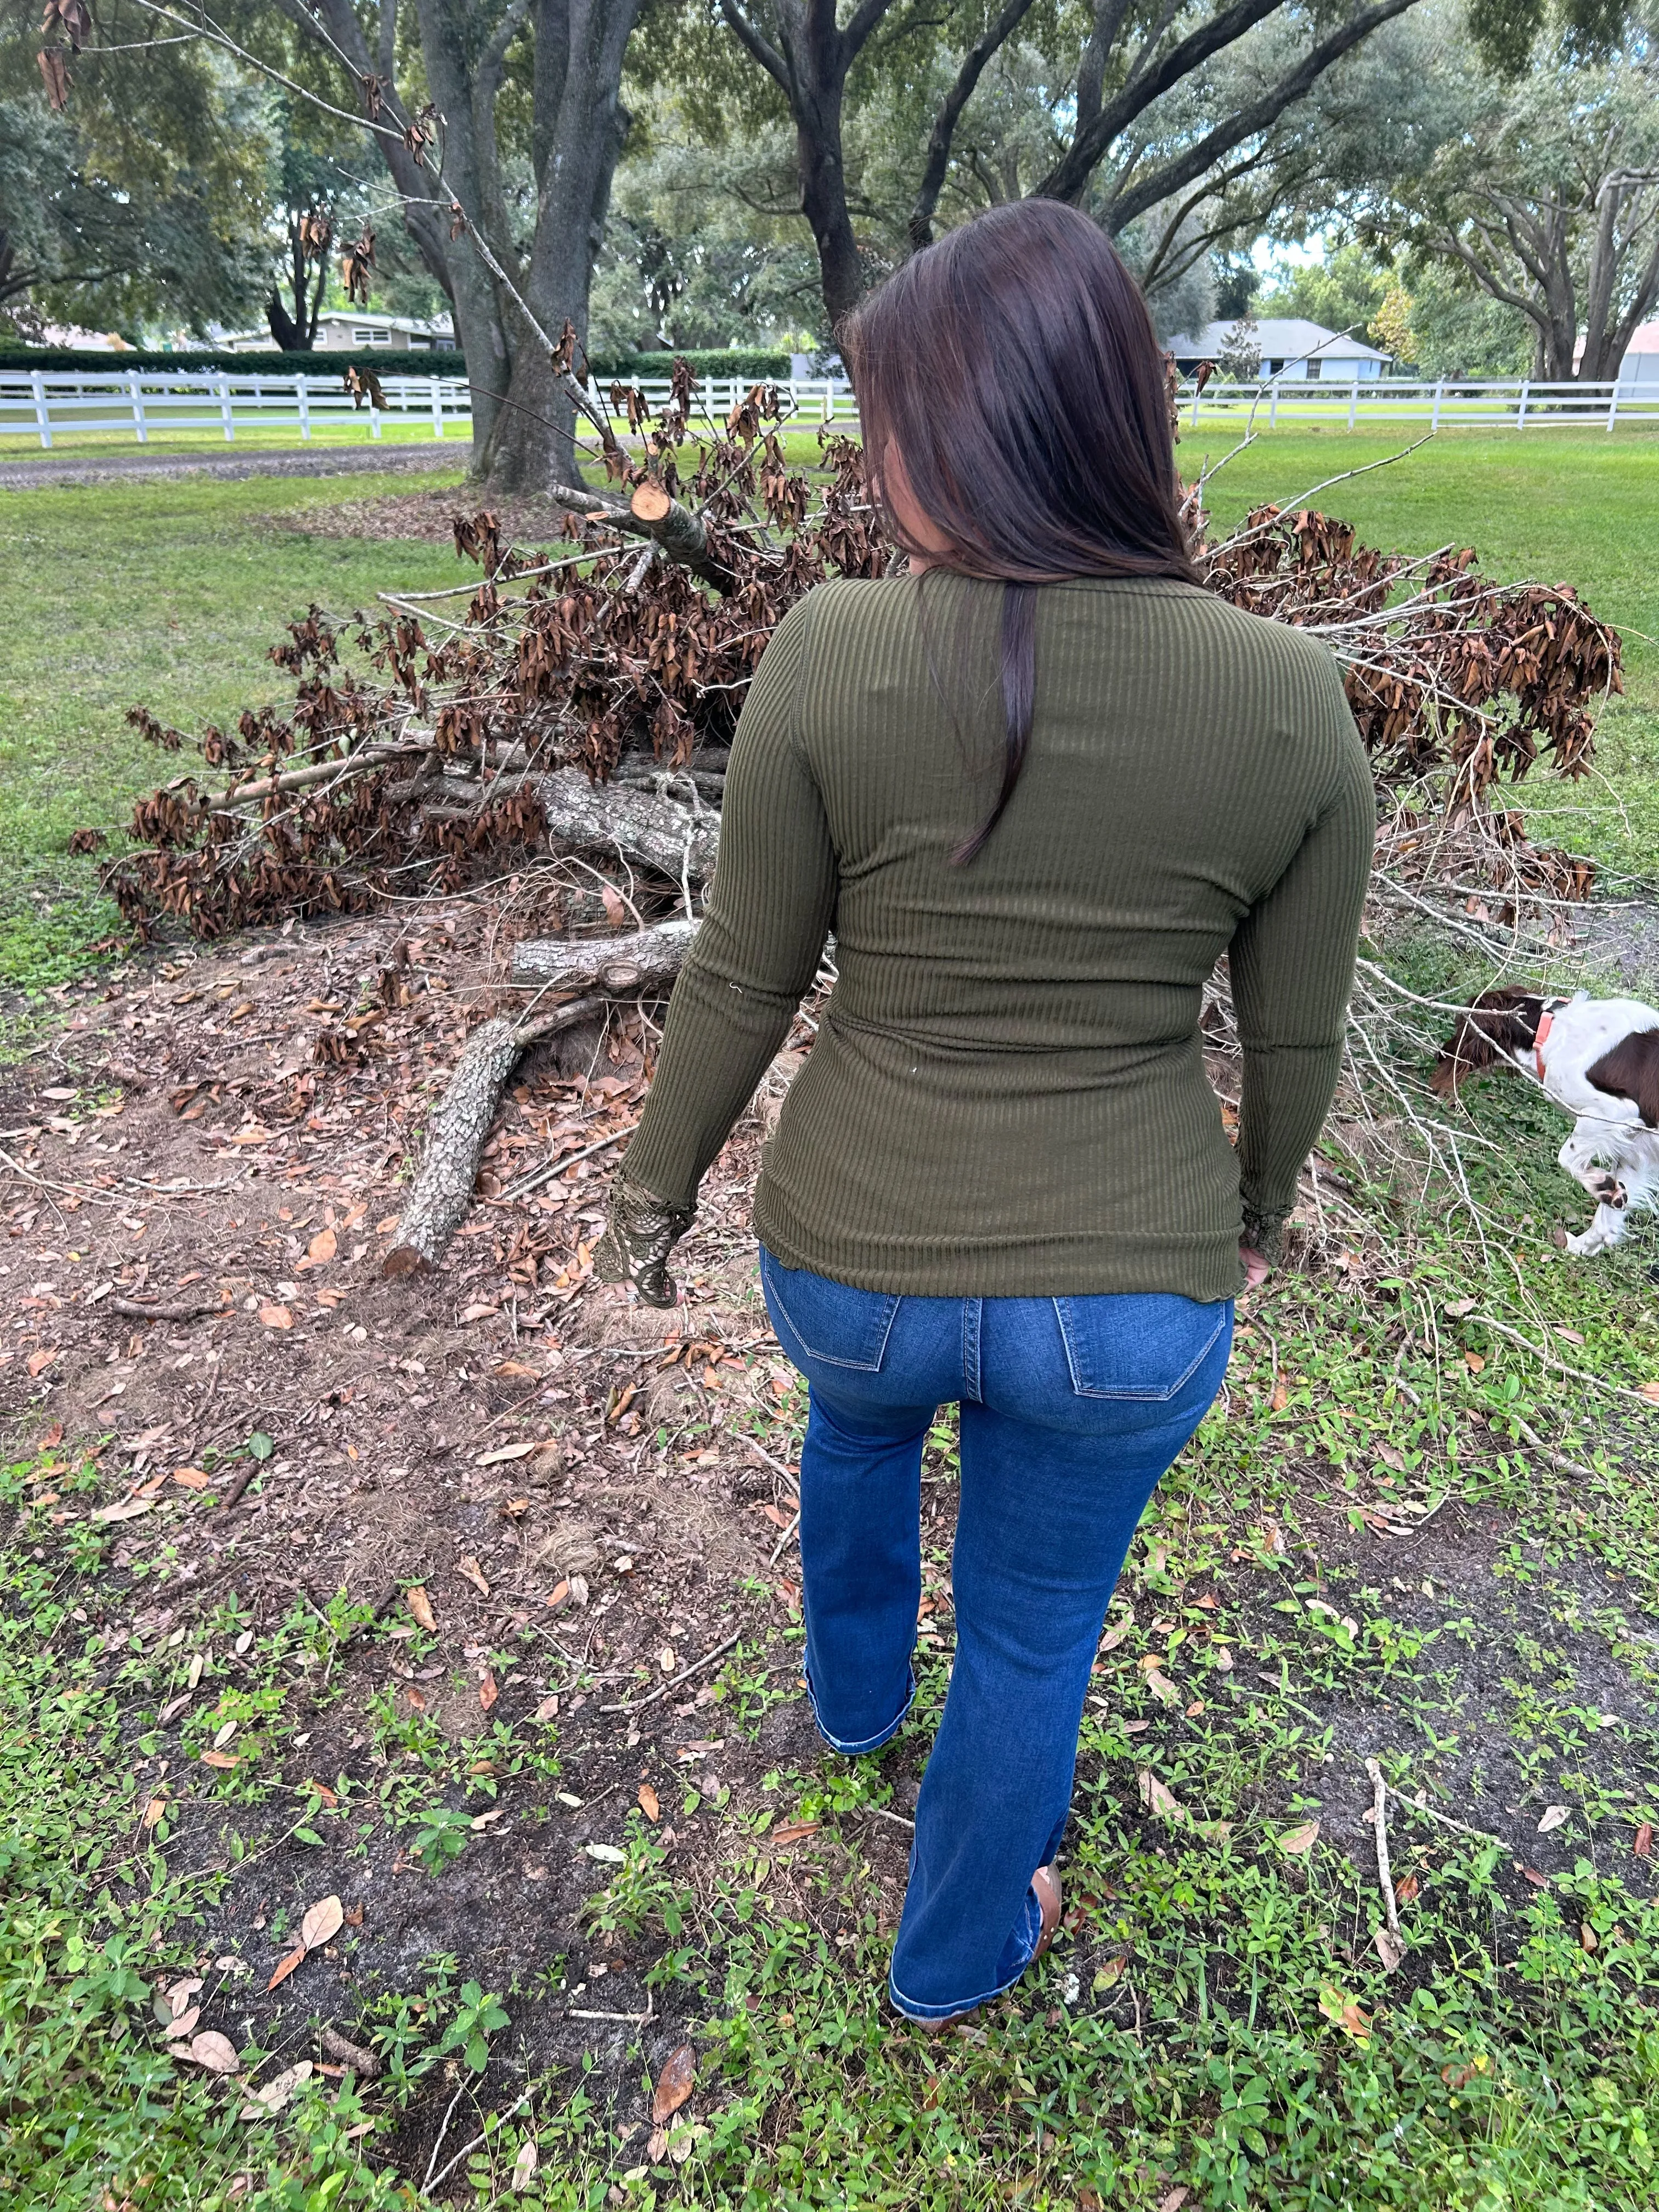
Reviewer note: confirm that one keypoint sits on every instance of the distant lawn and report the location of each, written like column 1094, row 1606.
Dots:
column 1575, row 507
column 168, row 593
column 171, row 593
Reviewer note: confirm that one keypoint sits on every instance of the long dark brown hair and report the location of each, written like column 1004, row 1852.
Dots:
column 1014, row 370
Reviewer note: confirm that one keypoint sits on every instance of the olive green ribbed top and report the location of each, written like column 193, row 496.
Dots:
column 1006, row 1096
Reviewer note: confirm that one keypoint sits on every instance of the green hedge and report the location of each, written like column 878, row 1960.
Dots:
column 752, row 361
column 388, row 361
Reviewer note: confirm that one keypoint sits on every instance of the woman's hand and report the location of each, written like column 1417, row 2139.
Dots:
column 1256, row 1268
column 638, row 1239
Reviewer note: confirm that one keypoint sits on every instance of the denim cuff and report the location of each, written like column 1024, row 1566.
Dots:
column 1029, row 1936
column 869, row 1743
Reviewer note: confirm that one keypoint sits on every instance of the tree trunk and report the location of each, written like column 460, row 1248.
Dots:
column 581, row 124
column 823, row 197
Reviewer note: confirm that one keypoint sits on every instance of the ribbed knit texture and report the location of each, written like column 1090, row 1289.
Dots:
column 1007, row 1095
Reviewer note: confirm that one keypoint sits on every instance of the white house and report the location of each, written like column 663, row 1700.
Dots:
column 1638, row 372
column 1290, row 348
column 341, row 330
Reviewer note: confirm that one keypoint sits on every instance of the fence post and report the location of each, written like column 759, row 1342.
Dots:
column 1439, row 394
column 437, row 407
column 1194, row 414
column 1354, row 402
column 1613, row 404
column 225, row 414
column 1521, row 417
column 42, row 413
column 304, row 398
column 137, row 390
column 1272, row 409
column 374, row 420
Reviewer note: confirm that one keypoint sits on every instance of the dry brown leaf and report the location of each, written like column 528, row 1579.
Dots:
column 675, row 2083
column 215, row 2051
column 322, row 1248
column 549, row 1708
column 474, row 1574
column 656, row 2145
column 1389, row 1948
column 505, row 1452
column 1643, row 1846
column 224, row 1761
column 1554, row 1816
column 1175, row 2199
column 192, row 1478
column 1301, row 1840
column 1405, row 1892
column 420, row 1606
column 129, row 1509
column 1161, row 1687
column 38, row 1362
column 523, row 2166
column 286, row 1967
column 322, row 1922
column 1114, row 1637
column 275, row 1317
column 793, row 1832
column 1650, row 1392
column 184, row 2026
column 1588, row 1937
column 277, row 2094
column 1158, row 1797
column 648, row 1802
column 1345, row 2013
column 488, row 1692
column 154, row 1811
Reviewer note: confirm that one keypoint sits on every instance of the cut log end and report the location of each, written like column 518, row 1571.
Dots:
column 403, row 1259
column 650, row 502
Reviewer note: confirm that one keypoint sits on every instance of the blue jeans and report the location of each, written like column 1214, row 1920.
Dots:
column 1072, row 1409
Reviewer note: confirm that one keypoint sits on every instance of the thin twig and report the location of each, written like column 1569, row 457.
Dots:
column 777, row 1549
column 685, row 1675
column 1434, row 1813
column 496, row 2119
column 1380, row 1822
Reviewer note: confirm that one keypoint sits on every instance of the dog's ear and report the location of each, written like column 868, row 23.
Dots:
column 1630, row 1071
column 1498, row 1026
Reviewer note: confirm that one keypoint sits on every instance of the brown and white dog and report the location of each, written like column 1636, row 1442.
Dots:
column 1598, row 1060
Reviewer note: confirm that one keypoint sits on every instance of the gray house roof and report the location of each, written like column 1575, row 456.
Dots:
column 1287, row 337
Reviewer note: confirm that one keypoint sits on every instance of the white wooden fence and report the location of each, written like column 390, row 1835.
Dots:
column 45, row 404
column 1445, row 404
column 146, row 404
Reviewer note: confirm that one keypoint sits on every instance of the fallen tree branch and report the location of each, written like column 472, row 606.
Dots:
column 441, row 1193
column 181, row 1310
column 646, row 960
column 648, row 829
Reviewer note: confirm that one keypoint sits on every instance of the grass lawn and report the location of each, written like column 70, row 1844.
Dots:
column 1576, row 508
column 164, row 593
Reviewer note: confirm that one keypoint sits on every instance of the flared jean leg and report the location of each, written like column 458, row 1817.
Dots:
column 860, row 1551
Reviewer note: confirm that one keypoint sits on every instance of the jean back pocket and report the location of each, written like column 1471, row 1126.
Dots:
column 828, row 1321
column 1145, row 1345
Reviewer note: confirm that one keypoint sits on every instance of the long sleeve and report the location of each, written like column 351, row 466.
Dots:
column 757, row 950
column 1291, row 963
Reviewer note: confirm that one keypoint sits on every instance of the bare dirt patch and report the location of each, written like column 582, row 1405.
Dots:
column 221, row 1136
